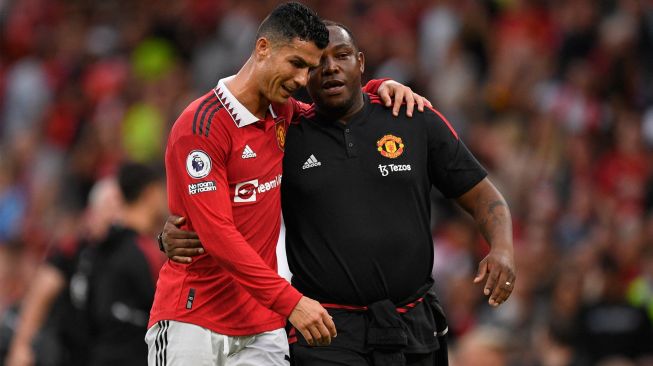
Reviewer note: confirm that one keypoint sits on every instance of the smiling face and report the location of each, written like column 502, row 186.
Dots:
column 283, row 66
column 334, row 83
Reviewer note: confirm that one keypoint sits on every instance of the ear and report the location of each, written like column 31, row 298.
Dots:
column 361, row 61
column 263, row 46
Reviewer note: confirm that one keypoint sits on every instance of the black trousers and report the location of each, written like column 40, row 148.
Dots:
column 350, row 347
column 302, row 355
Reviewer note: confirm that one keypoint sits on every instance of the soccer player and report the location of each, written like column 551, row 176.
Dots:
column 223, row 163
column 356, row 200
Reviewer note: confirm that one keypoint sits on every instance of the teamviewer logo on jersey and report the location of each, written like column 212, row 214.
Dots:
column 311, row 162
column 246, row 191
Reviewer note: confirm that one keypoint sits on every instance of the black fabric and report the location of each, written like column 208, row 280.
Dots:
column 329, row 356
column 121, row 293
column 358, row 231
column 613, row 328
column 386, row 334
column 363, row 335
column 68, row 322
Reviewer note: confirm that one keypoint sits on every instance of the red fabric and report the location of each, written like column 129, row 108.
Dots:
column 402, row 309
column 237, row 288
column 153, row 255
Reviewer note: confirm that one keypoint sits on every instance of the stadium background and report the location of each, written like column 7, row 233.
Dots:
column 554, row 97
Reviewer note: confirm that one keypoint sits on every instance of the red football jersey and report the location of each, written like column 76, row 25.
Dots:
column 223, row 168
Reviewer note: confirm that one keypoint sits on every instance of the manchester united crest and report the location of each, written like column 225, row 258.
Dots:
column 280, row 131
column 390, row 146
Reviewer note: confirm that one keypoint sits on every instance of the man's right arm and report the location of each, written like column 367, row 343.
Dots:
column 43, row 290
column 211, row 215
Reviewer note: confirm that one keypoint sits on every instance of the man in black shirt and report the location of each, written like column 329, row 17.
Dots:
column 125, row 267
column 356, row 203
column 355, row 199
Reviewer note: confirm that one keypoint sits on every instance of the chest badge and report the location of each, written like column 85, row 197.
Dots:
column 390, row 146
column 280, row 132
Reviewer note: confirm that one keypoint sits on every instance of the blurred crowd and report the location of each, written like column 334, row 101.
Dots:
column 554, row 97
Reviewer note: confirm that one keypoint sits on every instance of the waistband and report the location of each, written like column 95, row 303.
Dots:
column 401, row 309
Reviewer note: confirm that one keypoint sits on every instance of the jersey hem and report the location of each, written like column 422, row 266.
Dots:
column 219, row 328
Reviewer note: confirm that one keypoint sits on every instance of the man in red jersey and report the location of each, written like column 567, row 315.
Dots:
column 223, row 163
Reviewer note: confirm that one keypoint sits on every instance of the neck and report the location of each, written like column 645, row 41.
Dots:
column 244, row 87
column 138, row 218
column 344, row 114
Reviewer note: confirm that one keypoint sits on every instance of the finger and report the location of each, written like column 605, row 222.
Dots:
column 399, row 98
column 325, row 336
column 315, row 334
column 385, row 96
column 491, row 283
column 331, row 326
column 482, row 271
column 177, row 220
column 181, row 234
column 427, row 103
column 186, row 252
column 507, row 289
column 499, row 290
column 307, row 335
column 183, row 243
column 410, row 102
column 420, row 102
column 182, row 260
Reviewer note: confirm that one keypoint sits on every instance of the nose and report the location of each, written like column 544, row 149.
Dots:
column 329, row 66
column 301, row 78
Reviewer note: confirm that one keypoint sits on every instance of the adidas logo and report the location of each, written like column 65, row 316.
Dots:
column 311, row 162
column 248, row 153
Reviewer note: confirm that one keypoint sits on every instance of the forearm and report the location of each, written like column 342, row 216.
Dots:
column 491, row 213
column 494, row 221
column 45, row 287
column 228, row 247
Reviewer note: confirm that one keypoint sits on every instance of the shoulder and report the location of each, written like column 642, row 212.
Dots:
column 436, row 122
column 305, row 114
column 198, row 118
column 201, row 123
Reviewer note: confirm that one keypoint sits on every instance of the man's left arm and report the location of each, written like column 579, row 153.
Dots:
column 488, row 207
column 457, row 174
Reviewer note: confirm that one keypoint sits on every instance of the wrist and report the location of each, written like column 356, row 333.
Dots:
column 159, row 239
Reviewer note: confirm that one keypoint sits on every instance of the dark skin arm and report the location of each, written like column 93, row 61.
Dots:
column 491, row 213
column 180, row 245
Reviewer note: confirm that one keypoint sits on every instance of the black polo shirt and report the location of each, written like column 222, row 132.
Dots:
column 356, row 201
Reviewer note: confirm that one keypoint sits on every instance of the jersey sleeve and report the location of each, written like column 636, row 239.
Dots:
column 453, row 170
column 373, row 85
column 197, row 176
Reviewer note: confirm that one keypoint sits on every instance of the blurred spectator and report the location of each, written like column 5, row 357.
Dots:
column 48, row 330
column 483, row 346
column 119, row 286
column 609, row 326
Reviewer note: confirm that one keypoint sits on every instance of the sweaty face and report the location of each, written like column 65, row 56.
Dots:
column 333, row 83
column 285, row 69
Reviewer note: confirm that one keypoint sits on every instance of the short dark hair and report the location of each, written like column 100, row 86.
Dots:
column 331, row 23
column 134, row 178
column 294, row 20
